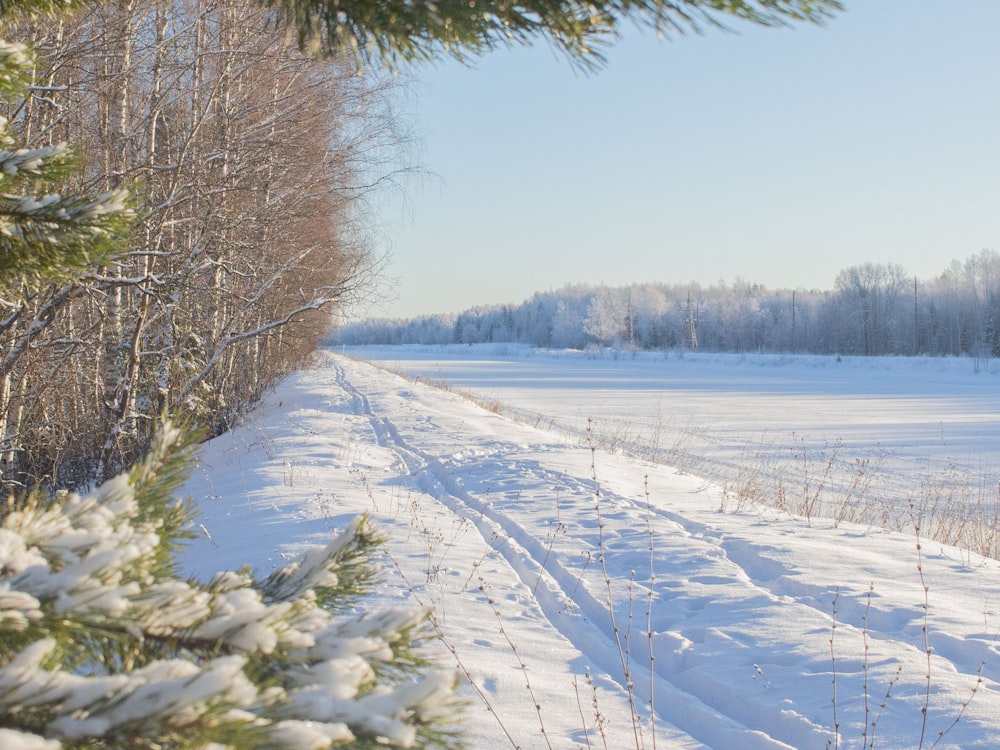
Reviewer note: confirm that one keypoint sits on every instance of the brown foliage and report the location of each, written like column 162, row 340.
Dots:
column 250, row 159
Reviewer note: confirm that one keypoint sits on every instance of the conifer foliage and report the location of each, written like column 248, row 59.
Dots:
column 47, row 235
column 426, row 29
column 103, row 645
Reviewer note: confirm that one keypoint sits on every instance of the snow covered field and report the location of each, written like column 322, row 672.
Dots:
column 862, row 436
column 564, row 578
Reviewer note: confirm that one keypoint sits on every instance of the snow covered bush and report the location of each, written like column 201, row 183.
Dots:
column 102, row 644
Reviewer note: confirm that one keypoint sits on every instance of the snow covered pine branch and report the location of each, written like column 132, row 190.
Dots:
column 47, row 236
column 103, row 645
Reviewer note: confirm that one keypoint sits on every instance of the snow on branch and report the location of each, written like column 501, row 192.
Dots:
column 98, row 641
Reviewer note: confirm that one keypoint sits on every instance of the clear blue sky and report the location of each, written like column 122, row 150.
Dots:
column 776, row 156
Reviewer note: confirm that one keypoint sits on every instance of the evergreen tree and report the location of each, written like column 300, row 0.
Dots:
column 47, row 234
column 428, row 29
column 102, row 644
column 409, row 30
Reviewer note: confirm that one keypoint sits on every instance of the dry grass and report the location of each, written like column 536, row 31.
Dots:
column 951, row 505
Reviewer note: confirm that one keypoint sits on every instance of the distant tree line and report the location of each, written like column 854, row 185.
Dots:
column 874, row 309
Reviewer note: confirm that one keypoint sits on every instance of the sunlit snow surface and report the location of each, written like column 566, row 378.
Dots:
column 499, row 525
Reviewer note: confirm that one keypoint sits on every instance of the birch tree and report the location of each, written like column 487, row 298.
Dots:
column 253, row 162
column 607, row 315
column 103, row 644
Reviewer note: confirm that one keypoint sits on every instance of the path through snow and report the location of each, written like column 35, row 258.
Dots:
column 715, row 626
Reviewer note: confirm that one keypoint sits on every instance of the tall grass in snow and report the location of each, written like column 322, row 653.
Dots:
column 953, row 505
column 949, row 504
column 623, row 633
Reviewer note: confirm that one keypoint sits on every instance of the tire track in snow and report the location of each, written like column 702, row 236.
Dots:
column 697, row 704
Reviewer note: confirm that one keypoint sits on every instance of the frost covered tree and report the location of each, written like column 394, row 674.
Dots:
column 606, row 317
column 49, row 234
column 871, row 292
column 103, row 644
column 252, row 164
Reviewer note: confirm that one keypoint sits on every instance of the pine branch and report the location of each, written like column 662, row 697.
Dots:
column 46, row 235
column 101, row 643
column 401, row 30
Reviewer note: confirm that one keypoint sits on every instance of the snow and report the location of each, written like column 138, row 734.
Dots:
column 574, row 587
column 14, row 740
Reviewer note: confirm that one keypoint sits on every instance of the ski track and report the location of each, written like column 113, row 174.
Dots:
column 736, row 622
column 526, row 558
column 702, row 707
